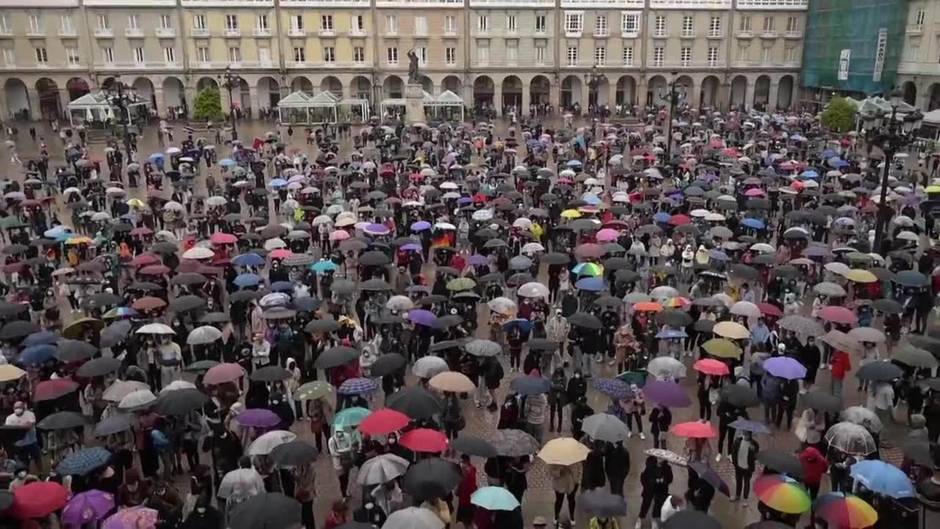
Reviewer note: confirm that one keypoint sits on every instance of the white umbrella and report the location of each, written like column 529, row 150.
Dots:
column 664, row 367
column 745, row 308
column 216, row 201
column 413, row 518
column 155, row 328
column 382, row 469
column 138, row 399
column 122, row 388
column 198, row 252
column 274, row 244
column 428, row 366
column 837, row 268
column 482, row 214
column 532, row 247
column 173, row 206
column 399, row 303
column 263, row 445
column 241, row 483
column 533, row 290
column 203, row 335
column 177, row 385
column 101, row 216
column 502, row 305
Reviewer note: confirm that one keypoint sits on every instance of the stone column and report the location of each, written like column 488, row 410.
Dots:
column 526, row 100
column 612, row 95
column 772, row 95
column 161, row 102
column 253, row 98
column 640, row 97
column 749, row 95
column 498, row 98
column 34, row 111
column 723, row 100
column 64, row 101
column 554, row 96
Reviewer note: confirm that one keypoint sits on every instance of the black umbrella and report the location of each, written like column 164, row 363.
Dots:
column 709, row 474
column 98, row 367
column 602, row 503
column 294, row 453
column 215, row 317
column 102, row 299
column 306, row 304
column 739, row 396
column 474, row 446
column 781, row 462
column 188, row 278
column 201, row 366
column 888, row 306
column 926, row 343
column 704, row 325
column 530, row 385
column 556, row 258
column 510, row 442
column 6, row 500
column 62, row 420
column 431, row 478
column 674, row 318
column 911, row 278
column 583, row 319
column 186, row 303
column 244, row 295
column 374, row 258
column 268, row 510
column 879, row 372
column 542, row 344
column 415, row 402
column 821, row 401
column 12, row 309
column 336, row 356
column 317, row 326
column 387, row 363
column 114, row 333
column 375, row 285
column 74, row 350
column 270, row 374
column 145, row 286
column 18, row 329
column 180, row 401
column 687, row 518
column 446, row 322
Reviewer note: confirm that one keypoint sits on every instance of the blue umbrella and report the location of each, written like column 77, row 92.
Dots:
column 278, row 182
column 662, row 217
column 836, row 162
column 829, row 153
column 574, row 163
column 745, row 425
column 530, row 385
column 523, row 325
column 357, row 386
column 59, row 232
column 156, row 156
column 282, row 286
column 226, row 162
column 671, row 334
column 40, row 338
column 323, row 266
column 38, row 354
column 248, row 259
column 756, row 224
column 613, row 387
column 809, row 173
column 882, row 478
column 591, row 284
column 84, row 461
column 247, row 280
column 784, row 367
column 421, row 225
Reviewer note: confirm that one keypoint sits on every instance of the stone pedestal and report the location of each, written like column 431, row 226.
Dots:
column 414, row 104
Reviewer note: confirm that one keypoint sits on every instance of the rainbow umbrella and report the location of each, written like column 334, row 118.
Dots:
column 782, row 493
column 677, row 302
column 588, row 269
column 845, row 511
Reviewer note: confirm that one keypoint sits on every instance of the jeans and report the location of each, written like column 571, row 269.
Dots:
column 836, row 387
column 742, row 482
column 639, row 421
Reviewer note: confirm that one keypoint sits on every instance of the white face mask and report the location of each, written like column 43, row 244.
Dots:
column 18, row 411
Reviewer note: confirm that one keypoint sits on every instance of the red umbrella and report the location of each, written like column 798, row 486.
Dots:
column 770, row 310
column 679, row 220
column 424, row 440
column 53, row 389
column 384, row 422
column 38, row 499
column 155, row 270
column 223, row 373
column 695, row 430
column 837, row 314
column 148, row 303
column 223, row 238
column 710, row 366
column 145, row 259
column 141, row 231
column 280, row 253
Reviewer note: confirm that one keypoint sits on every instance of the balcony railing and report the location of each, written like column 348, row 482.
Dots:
column 232, row 33
column 104, row 33
column 687, row 34
column 134, row 33
column 715, row 35
column 744, row 34
column 36, row 32
column 769, row 34
column 166, row 33
column 690, row 4
column 199, row 32
column 67, row 33
column 261, row 32
column 915, row 29
column 6, row 33
column 297, row 32
column 793, row 34
column 795, row 5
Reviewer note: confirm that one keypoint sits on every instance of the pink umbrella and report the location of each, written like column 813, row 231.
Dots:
column 223, row 373
column 223, row 238
column 133, row 518
column 754, row 192
column 695, row 430
column 837, row 314
column 339, row 235
column 281, row 253
column 607, row 235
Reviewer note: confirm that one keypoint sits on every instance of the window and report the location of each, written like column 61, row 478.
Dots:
column 391, row 55
column 660, row 27
column 745, row 23
column 628, row 55
column 510, row 22
column 139, row 55
column 234, row 54
column 765, row 53
column 67, row 25
column 42, row 56
column 483, row 52
column 359, row 54
column 9, row 57
column 264, row 55
column 231, row 22
column 483, row 23
column 685, row 56
column 714, row 27
column 169, row 55
column 450, row 24
column 35, row 24
column 297, row 23
column 422, row 54
column 202, row 54
column 919, row 18
column 199, row 21
column 540, row 54
column 358, row 23
column 4, row 24
column 688, row 26
column 659, row 53
column 600, row 25
column 574, row 22
column 326, row 22
column 71, row 56
column 450, row 56
column 421, row 25
column 768, row 23
column 300, row 54
column 540, row 23
column 166, row 22
column 743, row 53
column 107, row 55
column 512, row 51
column 329, row 54
column 790, row 54
column 793, row 24
column 630, row 23
column 600, row 55
column 262, row 23
column 391, row 25
column 572, row 56
column 713, row 56
column 133, row 22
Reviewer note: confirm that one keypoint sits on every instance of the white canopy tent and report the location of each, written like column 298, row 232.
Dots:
column 400, row 103
column 446, row 106
column 355, row 110
column 299, row 108
column 96, row 108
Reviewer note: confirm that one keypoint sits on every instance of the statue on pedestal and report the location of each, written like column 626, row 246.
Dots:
column 412, row 66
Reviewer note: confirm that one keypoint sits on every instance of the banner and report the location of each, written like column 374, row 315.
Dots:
column 881, row 50
column 844, row 58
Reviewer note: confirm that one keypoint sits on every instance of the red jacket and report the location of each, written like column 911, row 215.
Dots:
column 841, row 364
column 814, row 465
column 468, row 485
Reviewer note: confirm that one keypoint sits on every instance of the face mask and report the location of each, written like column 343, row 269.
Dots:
column 201, row 510
column 18, row 412
column 275, row 402
column 577, row 375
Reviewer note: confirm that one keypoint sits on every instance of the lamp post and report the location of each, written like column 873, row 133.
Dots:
column 672, row 97
column 119, row 97
column 229, row 81
column 890, row 133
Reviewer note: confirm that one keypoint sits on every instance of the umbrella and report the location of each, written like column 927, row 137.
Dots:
column 721, row 347
column 739, row 396
column 266, row 443
column 84, row 461
column 710, row 366
column 474, row 446
column 453, row 382
column 382, row 469
column 882, row 478
column 241, row 483
column 428, row 366
column 121, row 388
column 62, row 420
column 732, row 330
column 424, row 440
column 336, row 356
column 862, row 416
column 137, row 400
column 180, row 402
column 838, row 314
column 480, row 347
column 910, row 355
column 605, row 427
column 9, row 373
column 383, row 422
column 203, row 335
column 564, row 451
column 879, row 371
column 132, row 518
column 268, row 510
column 666, row 393
column 585, row 320
column 710, row 476
column 494, row 499
column 313, row 390
column 687, row 518
column 116, row 423
column 387, row 364
column 802, row 325
column 530, row 385
column 350, row 418
column 666, row 367
column 514, row 443
column 257, row 418
column 53, row 389
column 822, row 401
column 845, row 511
column 86, row 507
column 413, row 518
column 695, row 430
column 784, row 367
column 745, row 425
column 271, row 374
column 853, row 439
column 781, row 462
column 223, row 373
column 782, row 493
column 603, row 503
column 294, row 453
column 415, row 402
column 97, row 367
column 38, row 499
column 431, row 478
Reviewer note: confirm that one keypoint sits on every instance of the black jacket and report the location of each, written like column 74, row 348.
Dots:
column 751, row 456
column 617, row 463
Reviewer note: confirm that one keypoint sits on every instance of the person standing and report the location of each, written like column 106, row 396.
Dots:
column 557, row 398
column 841, row 365
column 27, row 447
column 616, row 466
column 743, row 455
column 814, row 468
column 660, row 421
column 468, row 485
column 565, row 480
column 655, row 479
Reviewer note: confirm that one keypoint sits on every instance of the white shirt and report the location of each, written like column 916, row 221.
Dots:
column 668, row 510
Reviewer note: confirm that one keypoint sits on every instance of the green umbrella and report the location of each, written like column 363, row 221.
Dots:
column 460, row 283
column 350, row 418
column 313, row 390
column 494, row 499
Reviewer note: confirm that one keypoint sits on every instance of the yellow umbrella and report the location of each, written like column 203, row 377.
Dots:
column 722, row 348
column 563, row 451
column 81, row 239
column 571, row 214
column 861, row 276
column 136, row 203
column 933, row 189
column 75, row 329
column 732, row 330
column 9, row 373
column 452, row 381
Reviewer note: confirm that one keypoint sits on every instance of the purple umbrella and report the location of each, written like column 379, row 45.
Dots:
column 422, row 317
column 613, row 388
column 478, row 260
column 421, row 225
column 668, row 394
column 357, row 386
column 376, row 229
column 784, row 367
column 411, row 247
column 258, row 418
column 87, row 507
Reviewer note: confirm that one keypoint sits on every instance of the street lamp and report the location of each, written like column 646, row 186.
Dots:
column 119, row 96
column 890, row 133
column 230, row 81
column 673, row 98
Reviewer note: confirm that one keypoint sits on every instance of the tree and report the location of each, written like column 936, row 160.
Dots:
column 839, row 116
column 208, row 105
